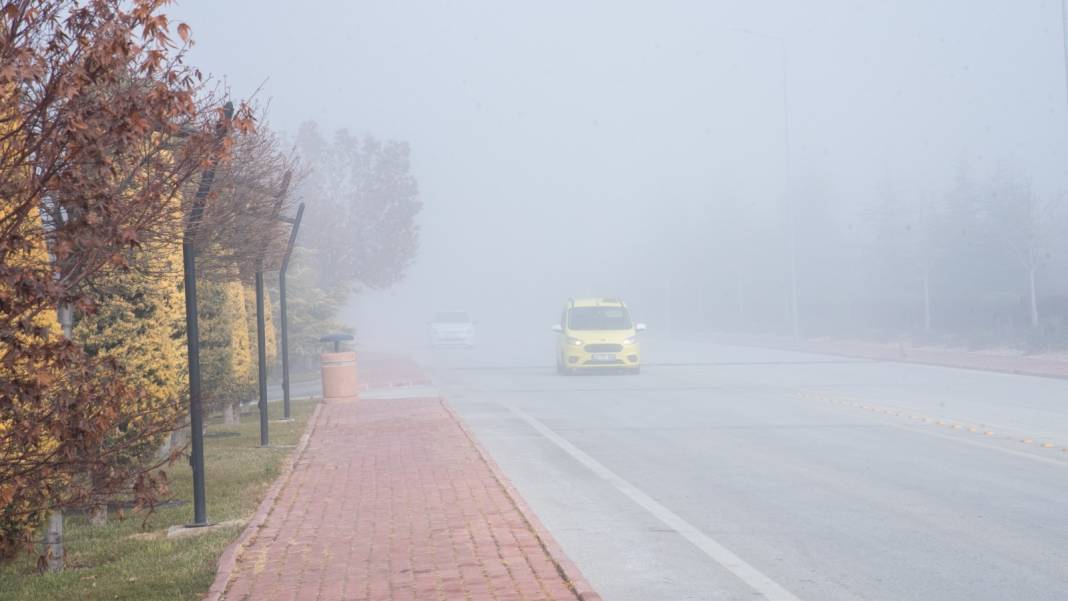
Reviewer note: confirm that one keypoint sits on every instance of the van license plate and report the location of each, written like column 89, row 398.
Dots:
column 604, row 357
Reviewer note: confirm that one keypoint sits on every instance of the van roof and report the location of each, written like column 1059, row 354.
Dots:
column 595, row 302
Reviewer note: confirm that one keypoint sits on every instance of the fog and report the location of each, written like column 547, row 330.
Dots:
column 644, row 150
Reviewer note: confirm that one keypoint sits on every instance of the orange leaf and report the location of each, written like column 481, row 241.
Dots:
column 183, row 32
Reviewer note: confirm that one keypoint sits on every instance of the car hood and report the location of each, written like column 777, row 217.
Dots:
column 598, row 336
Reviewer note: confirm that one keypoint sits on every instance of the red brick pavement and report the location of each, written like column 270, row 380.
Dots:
column 392, row 500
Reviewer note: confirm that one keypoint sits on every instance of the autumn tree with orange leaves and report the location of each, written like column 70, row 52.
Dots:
column 102, row 132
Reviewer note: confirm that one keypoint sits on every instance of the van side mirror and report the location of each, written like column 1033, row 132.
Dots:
column 559, row 329
column 639, row 327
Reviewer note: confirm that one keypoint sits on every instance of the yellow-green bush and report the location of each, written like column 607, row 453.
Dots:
column 268, row 330
column 226, row 361
column 20, row 509
column 139, row 320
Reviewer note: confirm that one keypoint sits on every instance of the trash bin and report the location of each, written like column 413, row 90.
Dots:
column 339, row 369
column 339, row 375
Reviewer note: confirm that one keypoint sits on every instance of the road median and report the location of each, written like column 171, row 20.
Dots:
column 1012, row 363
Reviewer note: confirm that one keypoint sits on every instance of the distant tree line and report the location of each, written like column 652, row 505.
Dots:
column 360, row 230
column 981, row 263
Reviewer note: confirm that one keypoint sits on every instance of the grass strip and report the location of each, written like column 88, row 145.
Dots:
column 124, row 561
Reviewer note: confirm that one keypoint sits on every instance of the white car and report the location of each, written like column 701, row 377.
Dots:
column 452, row 328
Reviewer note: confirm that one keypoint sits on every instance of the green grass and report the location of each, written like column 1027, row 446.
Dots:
column 112, row 562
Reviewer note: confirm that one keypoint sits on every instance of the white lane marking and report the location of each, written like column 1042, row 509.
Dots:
column 759, row 582
column 981, row 445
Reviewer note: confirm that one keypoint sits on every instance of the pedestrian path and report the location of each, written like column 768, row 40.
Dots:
column 391, row 499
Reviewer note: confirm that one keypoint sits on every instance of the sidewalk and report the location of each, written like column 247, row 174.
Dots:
column 1014, row 364
column 393, row 500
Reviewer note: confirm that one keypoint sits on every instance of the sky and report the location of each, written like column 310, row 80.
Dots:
column 560, row 145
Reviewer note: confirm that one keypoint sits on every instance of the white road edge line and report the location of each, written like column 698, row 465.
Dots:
column 765, row 586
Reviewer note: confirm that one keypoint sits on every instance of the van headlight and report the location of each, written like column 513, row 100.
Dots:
column 574, row 341
column 630, row 340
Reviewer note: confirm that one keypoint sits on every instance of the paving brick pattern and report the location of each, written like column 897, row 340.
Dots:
column 391, row 500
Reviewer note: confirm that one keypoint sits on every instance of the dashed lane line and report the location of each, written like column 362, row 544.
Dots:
column 757, row 580
column 951, row 424
column 976, row 443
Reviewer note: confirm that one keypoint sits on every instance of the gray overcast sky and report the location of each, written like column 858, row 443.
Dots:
column 530, row 121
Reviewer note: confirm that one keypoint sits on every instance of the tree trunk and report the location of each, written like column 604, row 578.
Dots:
column 702, row 312
column 232, row 413
column 54, row 532
column 795, row 325
column 175, row 441
column 54, row 541
column 927, row 300
column 98, row 514
column 667, row 307
column 739, row 297
column 1034, row 297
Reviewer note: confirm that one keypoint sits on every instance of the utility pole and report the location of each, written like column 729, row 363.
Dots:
column 189, row 263
column 795, row 320
column 1064, row 41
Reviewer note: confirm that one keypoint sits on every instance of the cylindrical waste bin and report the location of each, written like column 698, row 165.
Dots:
column 339, row 375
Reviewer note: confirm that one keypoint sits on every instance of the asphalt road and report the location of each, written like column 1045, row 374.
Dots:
column 740, row 473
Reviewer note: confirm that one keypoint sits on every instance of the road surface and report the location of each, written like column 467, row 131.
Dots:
column 742, row 473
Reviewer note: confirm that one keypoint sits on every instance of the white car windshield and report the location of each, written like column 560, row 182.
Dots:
column 599, row 318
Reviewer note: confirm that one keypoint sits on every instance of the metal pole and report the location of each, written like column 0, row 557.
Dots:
column 261, row 319
column 261, row 342
column 196, row 411
column 189, row 264
column 1064, row 38
column 795, row 318
column 283, row 309
column 285, row 342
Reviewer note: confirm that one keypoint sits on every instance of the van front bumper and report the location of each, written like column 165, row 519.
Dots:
column 601, row 358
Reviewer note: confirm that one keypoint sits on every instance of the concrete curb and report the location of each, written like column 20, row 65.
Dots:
column 232, row 553
column 567, row 569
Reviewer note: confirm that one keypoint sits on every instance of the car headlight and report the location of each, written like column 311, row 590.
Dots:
column 574, row 341
column 630, row 340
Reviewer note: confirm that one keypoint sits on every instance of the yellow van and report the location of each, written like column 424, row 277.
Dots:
column 597, row 333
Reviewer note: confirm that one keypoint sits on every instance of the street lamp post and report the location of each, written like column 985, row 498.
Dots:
column 261, row 321
column 189, row 264
column 792, row 212
column 1064, row 39
column 283, row 307
column 261, row 348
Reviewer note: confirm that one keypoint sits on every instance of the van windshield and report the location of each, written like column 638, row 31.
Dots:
column 599, row 318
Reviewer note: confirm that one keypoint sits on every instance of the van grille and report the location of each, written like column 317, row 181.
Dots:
column 604, row 348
